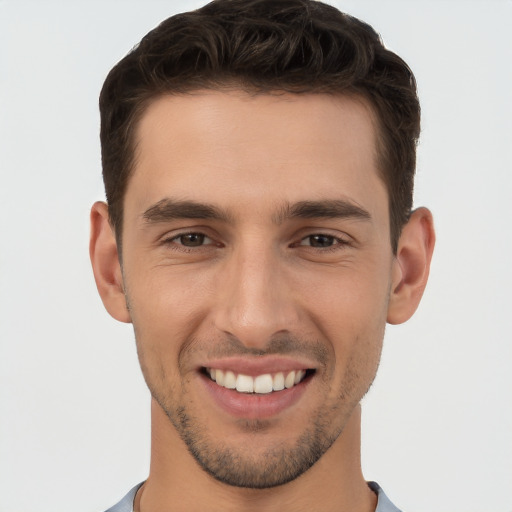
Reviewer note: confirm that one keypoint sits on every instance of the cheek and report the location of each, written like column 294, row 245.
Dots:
column 350, row 313
column 353, row 325
column 350, row 301
column 159, row 321
column 167, row 310
column 166, row 303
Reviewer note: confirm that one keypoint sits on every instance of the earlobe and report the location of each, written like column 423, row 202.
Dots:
column 105, row 263
column 411, row 266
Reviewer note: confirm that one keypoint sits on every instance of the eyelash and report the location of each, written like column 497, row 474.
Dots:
column 173, row 242
column 337, row 243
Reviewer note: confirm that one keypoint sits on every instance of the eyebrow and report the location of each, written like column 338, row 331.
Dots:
column 324, row 209
column 171, row 209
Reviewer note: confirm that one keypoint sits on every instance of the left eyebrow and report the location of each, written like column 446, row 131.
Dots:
column 327, row 209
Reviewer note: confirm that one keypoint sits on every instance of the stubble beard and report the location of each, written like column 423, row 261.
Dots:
column 280, row 463
column 275, row 466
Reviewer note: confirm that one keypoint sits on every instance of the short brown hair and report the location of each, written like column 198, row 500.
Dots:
column 297, row 46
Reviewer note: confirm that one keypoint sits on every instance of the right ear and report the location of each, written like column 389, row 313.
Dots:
column 105, row 263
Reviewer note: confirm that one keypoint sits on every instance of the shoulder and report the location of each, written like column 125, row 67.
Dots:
column 383, row 502
column 126, row 504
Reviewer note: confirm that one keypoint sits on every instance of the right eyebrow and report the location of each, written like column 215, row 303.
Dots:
column 169, row 209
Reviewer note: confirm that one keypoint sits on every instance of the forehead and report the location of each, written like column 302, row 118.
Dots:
column 230, row 146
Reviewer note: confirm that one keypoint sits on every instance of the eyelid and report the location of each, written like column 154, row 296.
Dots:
column 323, row 231
column 170, row 232
column 342, row 241
column 335, row 239
column 176, row 240
column 338, row 240
column 180, row 235
column 171, row 238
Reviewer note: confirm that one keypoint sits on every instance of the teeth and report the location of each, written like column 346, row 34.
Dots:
column 278, row 383
column 299, row 376
column 230, row 380
column 244, row 384
column 290, row 380
column 261, row 384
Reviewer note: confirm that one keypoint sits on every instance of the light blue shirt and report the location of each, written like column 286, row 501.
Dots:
column 383, row 503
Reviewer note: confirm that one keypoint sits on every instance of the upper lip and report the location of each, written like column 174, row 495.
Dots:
column 259, row 365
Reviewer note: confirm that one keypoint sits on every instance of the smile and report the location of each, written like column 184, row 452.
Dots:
column 259, row 384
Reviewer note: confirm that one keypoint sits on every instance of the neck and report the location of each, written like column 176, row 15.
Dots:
column 176, row 482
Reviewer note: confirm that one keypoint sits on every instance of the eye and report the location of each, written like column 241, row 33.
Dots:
column 320, row 241
column 192, row 239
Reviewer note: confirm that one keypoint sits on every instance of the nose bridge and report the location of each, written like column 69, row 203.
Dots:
column 256, row 300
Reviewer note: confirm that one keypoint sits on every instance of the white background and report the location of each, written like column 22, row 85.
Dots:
column 74, row 411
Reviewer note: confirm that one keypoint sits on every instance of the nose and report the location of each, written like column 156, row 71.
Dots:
column 256, row 299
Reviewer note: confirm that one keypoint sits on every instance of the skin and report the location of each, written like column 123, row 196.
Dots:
column 258, row 280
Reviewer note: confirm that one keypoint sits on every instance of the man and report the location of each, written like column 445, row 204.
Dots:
column 258, row 159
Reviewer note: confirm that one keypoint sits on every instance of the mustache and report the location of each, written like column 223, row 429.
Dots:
column 280, row 344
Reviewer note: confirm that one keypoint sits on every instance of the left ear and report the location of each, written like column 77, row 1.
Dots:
column 411, row 266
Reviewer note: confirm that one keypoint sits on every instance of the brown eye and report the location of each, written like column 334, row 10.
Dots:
column 320, row 241
column 192, row 239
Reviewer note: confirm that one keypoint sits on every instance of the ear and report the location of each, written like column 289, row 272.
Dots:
column 411, row 266
column 105, row 263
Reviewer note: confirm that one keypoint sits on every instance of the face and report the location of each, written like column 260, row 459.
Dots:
column 257, row 269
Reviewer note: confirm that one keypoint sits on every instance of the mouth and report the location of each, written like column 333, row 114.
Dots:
column 257, row 388
column 263, row 384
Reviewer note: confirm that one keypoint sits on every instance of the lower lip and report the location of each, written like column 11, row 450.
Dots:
column 254, row 405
